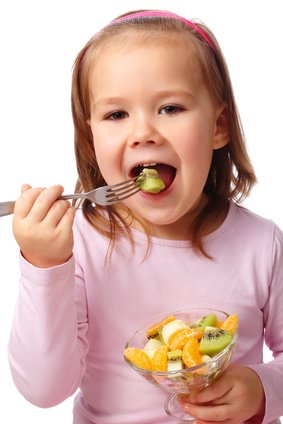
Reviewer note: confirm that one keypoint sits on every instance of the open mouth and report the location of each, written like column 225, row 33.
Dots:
column 166, row 172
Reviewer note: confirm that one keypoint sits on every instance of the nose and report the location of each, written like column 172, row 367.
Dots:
column 143, row 133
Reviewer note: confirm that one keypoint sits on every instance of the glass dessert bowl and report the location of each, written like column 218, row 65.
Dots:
column 183, row 352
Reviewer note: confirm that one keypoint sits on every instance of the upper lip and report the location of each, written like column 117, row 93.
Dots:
column 145, row 163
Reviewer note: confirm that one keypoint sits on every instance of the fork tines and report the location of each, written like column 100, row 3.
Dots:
column 122, row 191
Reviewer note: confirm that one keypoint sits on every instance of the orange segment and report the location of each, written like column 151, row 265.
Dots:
column 138, row 357
column 153, row 330
column 191, row 356
column 180, row 338
column 230, row 324
column 160, row 359
column 219, row 324
column 172, row 337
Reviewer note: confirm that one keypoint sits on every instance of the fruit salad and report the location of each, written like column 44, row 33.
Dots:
column 149, row 180
column 173, row 344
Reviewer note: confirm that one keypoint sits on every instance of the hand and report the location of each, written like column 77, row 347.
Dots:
column 42, row 226
column 232, row 399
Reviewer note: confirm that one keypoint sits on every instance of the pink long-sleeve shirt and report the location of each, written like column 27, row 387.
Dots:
column 72, row 321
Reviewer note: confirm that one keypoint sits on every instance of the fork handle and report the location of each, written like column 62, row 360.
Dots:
column 73, row 196
column 6, row 208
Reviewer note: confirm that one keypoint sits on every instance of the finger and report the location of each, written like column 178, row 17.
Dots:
column 208, row 413
column 56, row 212
column 68, row 218
column 44, row 202
column 212, row 422
column 215, row 391
column 66, row 223
column 25, row 202
column 25, row 187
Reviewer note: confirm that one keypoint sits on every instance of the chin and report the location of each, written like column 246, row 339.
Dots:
column 160, row 220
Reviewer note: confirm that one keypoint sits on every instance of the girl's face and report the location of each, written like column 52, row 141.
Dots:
column 150, row 106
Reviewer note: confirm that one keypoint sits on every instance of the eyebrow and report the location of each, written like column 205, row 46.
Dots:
column 158, row 95
column 108, row 100
column 173, row 92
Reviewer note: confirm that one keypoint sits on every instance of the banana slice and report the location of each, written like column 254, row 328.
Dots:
column 171, row 329
column 151, row 346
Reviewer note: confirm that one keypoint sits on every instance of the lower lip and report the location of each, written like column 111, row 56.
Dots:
column 157, row 196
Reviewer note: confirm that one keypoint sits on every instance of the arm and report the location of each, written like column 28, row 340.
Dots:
column 47, row 345
column 251, row 393
column 271, row 374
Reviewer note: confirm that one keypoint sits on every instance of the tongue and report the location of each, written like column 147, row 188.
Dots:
column 166, row 173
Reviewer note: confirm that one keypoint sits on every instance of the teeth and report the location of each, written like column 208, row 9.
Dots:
column 148, row 164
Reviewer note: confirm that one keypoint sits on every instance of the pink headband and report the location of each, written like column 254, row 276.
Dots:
column 161, row 13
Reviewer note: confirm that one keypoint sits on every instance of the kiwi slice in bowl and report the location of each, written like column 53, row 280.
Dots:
column 175, row 362
column 209, row 320
column 149, row 180
column 174, row 355
column 214, row 341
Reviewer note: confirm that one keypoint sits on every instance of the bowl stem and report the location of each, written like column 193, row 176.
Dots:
column 173, row 409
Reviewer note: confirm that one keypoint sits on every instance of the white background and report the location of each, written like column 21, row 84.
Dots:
column 38, row 44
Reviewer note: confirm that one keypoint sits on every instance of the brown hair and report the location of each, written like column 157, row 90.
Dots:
column 231, row 174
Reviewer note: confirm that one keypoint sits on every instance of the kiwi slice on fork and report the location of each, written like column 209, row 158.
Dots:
column 149, row 180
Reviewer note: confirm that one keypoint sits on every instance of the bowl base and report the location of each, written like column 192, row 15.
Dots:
column 173, row 409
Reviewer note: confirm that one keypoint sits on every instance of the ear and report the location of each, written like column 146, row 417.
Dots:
column 221, row 131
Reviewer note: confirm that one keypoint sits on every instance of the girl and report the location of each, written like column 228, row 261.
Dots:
column 151, row 89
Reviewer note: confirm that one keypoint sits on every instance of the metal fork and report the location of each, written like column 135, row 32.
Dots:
column 104, row 196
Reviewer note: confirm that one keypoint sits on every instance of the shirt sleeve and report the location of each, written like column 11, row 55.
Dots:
column 271, row 374
column 48, row 345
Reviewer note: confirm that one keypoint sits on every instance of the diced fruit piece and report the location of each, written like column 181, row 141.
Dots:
column 205, row 358
column 170, row 329
column 153, row 331
column 175, row 365
column 174, row 355
column 151, row 346
column 230, row 324
column 219, row 324
column 210, row 328
column 214, row 341
column 191, row 356
column 179, row 339
column 175, row 362
column 208, row 320
column 160, row 359
column 138, row 357
column 149, row 181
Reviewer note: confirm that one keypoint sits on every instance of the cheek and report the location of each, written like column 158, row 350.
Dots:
column 108, row 157
column 195, row 135
column 196, row 148
column 103, row 161
column 196, row 151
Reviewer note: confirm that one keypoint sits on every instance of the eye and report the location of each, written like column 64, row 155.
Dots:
column 116, row 116
column 171, row 109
